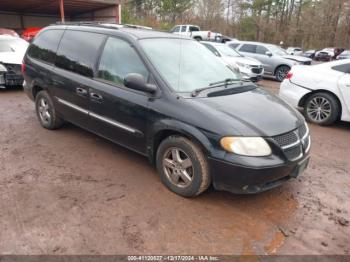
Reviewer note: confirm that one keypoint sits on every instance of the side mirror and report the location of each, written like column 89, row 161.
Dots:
column 138, row 82
column 268, row 53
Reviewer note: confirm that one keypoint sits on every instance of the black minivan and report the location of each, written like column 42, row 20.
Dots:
column 170, row 99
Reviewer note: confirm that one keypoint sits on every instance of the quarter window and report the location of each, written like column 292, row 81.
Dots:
column 118, row 60
column 45, row 46
column 78, row 52
column 248, row 48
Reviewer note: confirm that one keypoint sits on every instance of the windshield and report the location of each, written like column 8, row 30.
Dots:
column 13, row 45
column 276, row 50
column 186, row 64
column 227, row 51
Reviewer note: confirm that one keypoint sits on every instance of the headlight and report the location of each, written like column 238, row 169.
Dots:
column 243, row 65
column 246, row 146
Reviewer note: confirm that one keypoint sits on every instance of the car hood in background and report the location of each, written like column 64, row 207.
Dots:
column 243, row 60
column 252, row 113
column 12, row 57
column 297, row 58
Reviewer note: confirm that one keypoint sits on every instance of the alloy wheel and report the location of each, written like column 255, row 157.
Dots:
column 319, row 109
column 44, row 111
column 282, row 73
column 178, row 167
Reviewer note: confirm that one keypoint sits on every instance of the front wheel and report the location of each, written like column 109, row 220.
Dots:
column 182, row 166
column 281, row 73
column 322, row 109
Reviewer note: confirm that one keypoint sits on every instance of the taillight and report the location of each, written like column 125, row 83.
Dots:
column 209, row 34
column 289, row 75
column 23, row 67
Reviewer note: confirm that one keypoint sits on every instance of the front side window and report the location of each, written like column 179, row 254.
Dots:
column 176, row 29
column 248, row 48
column 45, row 46
column 186, row 65
column 78, row 52
column 118, row 60
column 261, row 50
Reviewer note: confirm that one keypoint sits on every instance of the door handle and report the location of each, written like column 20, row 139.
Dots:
column 96, row 96
column 81, row 91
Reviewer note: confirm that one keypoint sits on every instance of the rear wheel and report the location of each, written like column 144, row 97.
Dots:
column 182, row 166
column 322, row 109
column 198, row 38
column 46, row 111
column 281, row 73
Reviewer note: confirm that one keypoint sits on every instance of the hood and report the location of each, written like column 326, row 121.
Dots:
column 297, row 58
column 12, row 57
column 243, row 60
column 253, row 113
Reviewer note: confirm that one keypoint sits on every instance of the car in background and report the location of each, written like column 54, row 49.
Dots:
column 249, row 68
column 30, row 33
column 294, row 51
column 325, row 54
column 310, row 53
column 12, row 50
column 276, row 61
column 196, row 33
column 344, row 55
column 225, row 39
column 322, row 90
column 4, row 31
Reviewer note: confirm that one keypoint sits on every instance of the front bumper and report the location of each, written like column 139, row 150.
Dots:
column 249, row 74
column 241, row 179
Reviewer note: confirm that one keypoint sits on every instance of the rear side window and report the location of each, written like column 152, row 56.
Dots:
column 342, row 68
column 45, row 46
column 194, row 29
column 78, row 52
column 183, row 28
column 248, row 48
column 118, row 60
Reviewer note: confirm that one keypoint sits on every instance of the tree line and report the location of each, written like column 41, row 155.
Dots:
column 305, row 23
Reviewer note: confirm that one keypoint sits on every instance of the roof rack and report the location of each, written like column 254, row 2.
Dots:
column 104, row 24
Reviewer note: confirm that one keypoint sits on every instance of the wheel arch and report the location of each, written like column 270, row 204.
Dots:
column 164, row 129
column 302, row 101
column 277, row 67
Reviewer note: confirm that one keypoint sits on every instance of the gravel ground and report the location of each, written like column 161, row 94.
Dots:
column 71, row 192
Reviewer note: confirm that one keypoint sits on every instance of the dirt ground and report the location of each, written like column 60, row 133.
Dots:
column 71, row 192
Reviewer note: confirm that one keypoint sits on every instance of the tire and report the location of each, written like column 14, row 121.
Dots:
column 198, row 39
column 322, row 109
column 281, row 72
column 46, row 111
column 177, row 154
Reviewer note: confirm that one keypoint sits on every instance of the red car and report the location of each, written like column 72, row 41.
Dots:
column 30, row 33
column 4, row 31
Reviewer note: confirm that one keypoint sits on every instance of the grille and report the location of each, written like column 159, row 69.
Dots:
column 13, row 80
column 13, row 69
column 286, row 139
column 286, row 142
column 293, row 153
column 257, row 70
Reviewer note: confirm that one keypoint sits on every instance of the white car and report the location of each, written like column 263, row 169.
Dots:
column 250, row 68
column 12, row 50
column 196, row 33
column 294, row 51
column 322, row 90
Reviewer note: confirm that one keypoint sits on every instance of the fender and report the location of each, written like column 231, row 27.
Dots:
column 175, row 126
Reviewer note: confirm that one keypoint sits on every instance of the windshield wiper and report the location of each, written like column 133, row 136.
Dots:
column 225, row 82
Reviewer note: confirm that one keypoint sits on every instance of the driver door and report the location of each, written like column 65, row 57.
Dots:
column 266, row 60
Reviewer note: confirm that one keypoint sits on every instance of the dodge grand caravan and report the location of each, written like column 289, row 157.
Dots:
column 169, row 98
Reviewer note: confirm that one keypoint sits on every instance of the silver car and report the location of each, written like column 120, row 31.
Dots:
column 249, row 68
column 276, row 61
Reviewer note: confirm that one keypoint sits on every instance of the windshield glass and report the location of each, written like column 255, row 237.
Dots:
column 227, row 51
column 13, row 45
column 276, row 50
column 186, row 64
